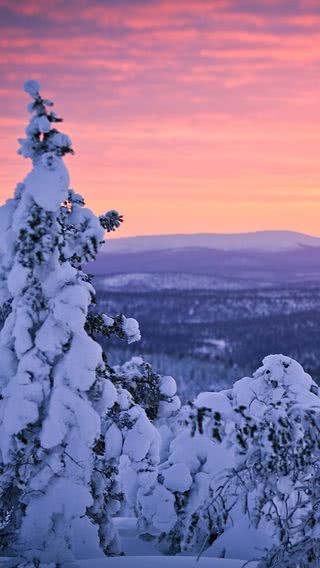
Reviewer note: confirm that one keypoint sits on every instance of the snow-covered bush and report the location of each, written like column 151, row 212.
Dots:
column 53, row 385
column 273, row 476
column 157, row 394
column 135, row 428
column 247, row 456
column 147, row 403
column 277, row 456
column 170, row 510
column 135, row 447
column 127, row 452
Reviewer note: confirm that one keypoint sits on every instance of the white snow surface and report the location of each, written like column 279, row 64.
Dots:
column 130, row 327
column 158, row 562
column 141, row 553
column 168, row 385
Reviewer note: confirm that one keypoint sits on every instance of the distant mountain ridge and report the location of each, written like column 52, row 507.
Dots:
column 260, row 240
column 227, row 261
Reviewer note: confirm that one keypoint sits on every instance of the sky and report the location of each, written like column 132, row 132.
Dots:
column 186, row 116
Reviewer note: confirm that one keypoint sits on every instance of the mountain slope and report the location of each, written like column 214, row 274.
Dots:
column 257, row 258
column 261, row 240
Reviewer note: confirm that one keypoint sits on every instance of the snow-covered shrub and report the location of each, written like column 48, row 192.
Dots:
column 119, row 325
column 134, row 433
column 135, row 428
column 246, row 456
column 53, row 385
column 147, row 403
column 128, row 450
column 273, row 435
column 157, row 394
column 135, row 447
column 277, row 458
column 170, row 509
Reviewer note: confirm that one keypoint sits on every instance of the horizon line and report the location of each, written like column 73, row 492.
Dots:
column 224, row 234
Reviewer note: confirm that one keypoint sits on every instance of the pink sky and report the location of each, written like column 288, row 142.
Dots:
column 187, row 116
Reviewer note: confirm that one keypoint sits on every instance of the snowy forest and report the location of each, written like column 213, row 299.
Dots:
column 102, row 464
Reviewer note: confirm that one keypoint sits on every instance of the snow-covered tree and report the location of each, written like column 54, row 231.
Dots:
column 150, row 403
column 136, row 429
column 53, row 386
column 272, row 481
column 157, row 394
column 170, row 510
column 277, row 455
column 245, row 461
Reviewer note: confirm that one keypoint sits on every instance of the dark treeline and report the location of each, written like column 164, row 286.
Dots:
column 211, row 338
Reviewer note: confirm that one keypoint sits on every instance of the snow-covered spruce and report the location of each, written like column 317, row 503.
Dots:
column 249, row 457
column 157, row 394
column 148, row 403
column 273, row 482
column 128, row 450
column 119, row 325
column 135, row 430
column 277, row 456
column 53, row 391
column 133, row 442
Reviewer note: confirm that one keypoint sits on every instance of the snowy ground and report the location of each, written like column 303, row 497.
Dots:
column 161, row 562
column 142, row 554
column 156, row 562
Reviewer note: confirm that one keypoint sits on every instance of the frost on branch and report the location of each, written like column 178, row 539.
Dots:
column 54, row 387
